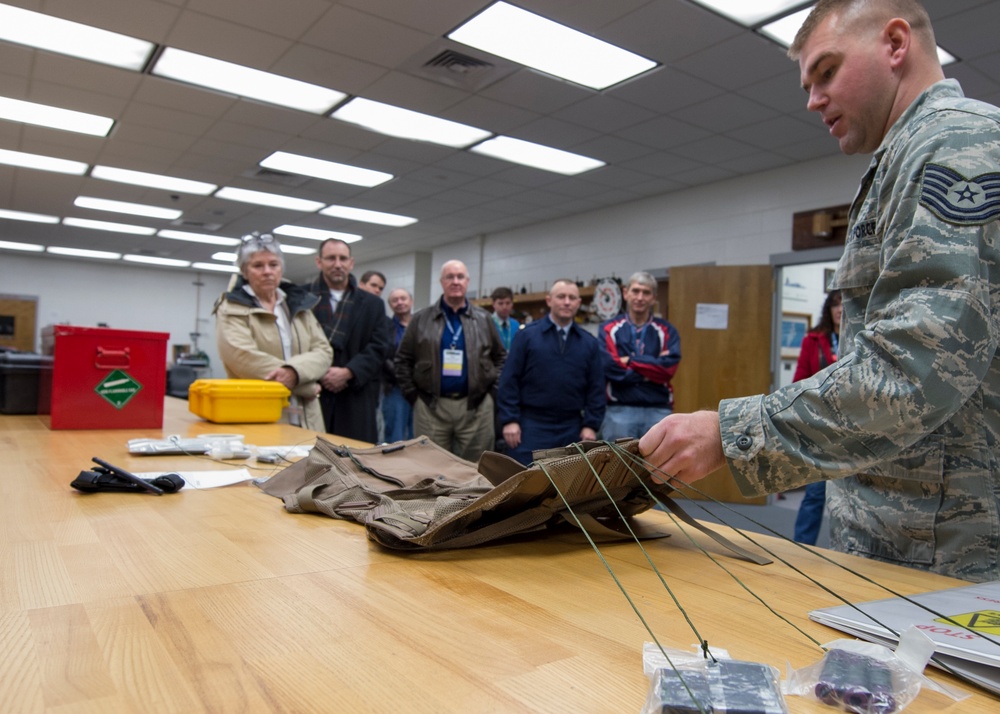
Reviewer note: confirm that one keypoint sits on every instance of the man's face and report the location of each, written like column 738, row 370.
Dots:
column 336, row 265
column 639, row 299
column 850, row 83
column 502, row 307
column 375, row 285
column 563, row 301
column 401, row 303
column 454, row 281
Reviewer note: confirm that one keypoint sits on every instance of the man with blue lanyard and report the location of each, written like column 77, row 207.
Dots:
column 641, row 354
column 448, row 364
column 552, row 387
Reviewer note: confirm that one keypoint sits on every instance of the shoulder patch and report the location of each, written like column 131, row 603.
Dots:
column 956, row 199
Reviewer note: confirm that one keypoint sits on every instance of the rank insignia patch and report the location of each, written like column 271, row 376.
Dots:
column 956, row 199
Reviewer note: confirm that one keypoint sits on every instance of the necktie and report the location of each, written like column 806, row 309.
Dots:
column 562, row 339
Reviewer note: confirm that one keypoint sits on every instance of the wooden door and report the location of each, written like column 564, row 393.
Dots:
column 17, row 322
column 718, row 364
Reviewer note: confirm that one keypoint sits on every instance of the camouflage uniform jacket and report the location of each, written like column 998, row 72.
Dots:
column 908, row 419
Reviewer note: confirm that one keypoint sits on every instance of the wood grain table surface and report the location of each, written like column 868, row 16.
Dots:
column 220, row 601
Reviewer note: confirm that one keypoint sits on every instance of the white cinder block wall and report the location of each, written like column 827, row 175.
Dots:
column 741, row 221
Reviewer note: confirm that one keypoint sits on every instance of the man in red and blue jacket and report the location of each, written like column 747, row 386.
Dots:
column 641, row 354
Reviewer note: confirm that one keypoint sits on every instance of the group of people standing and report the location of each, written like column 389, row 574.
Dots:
column 453, row 371
column 326, row 341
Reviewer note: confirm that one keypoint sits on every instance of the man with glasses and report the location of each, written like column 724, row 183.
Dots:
column 448, row 364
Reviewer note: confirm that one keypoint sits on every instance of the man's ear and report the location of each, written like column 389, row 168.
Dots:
column 898, row 37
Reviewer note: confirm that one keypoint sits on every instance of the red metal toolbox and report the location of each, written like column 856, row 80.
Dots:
column 104, row 378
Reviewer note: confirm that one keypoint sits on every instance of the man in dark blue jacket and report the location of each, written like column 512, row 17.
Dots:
column 552, row 385
column 641, row 353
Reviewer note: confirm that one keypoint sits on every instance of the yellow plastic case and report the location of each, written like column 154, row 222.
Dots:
column 237, row 401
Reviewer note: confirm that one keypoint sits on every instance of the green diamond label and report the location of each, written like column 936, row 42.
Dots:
column 118, row 388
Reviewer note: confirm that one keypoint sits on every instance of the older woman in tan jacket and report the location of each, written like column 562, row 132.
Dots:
column 265, row 329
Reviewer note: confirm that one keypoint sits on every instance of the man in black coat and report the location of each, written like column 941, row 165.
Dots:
column 354, row 322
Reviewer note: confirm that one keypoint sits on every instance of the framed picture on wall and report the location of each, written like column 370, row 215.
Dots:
column 794, row 326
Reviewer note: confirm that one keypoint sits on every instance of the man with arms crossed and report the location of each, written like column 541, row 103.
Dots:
column 354, row 323
column 906, row 424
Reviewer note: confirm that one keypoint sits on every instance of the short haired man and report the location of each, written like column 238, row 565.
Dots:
column 373, row 281
column 396, row 411
column 503, row 306
column 641, row 354
column 354, row 323
column 448, row 364
column 552, row 386
column 905, row 425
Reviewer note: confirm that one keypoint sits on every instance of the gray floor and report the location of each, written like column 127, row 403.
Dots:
column 778, row 515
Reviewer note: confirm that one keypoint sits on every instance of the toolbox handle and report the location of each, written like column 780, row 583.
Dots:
column 112, row 359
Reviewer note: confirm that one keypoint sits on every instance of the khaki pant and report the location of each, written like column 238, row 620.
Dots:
column 452, row 426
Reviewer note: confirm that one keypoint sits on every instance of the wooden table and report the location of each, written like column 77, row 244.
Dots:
column 219, row 600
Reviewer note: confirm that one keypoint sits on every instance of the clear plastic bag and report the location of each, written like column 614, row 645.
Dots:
column 867, row 678
column 685, row 683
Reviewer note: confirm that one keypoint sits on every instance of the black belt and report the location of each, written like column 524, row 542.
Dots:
column 454, row 395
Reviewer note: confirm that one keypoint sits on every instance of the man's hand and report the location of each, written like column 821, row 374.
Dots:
column 588, row 434
column 286, row 375
column 512, row 434
column 685, row 447
column 336, row 379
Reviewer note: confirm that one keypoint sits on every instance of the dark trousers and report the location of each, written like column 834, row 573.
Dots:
column 351, row 413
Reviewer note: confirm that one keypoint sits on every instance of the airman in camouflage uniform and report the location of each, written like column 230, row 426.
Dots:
column 906, row 424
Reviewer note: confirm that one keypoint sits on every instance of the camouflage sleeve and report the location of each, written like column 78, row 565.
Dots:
column 920, row 324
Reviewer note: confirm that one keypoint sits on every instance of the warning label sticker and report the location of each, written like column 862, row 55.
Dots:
column 985, row 621
column 118, row 388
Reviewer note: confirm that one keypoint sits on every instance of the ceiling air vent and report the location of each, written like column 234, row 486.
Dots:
column 196, row 226
column 276, row 177
column 458, row 63
column 443, row 62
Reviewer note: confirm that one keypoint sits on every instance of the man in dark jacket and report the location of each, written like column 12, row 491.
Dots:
column 448, row 364
column 354, row 323
column 552, row 386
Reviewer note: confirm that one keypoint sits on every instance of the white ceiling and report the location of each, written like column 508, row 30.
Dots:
column 726, row 102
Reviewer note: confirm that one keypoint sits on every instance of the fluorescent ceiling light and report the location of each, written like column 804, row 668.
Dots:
column 133, row 209
column 360, row 214
column 535, row 41
column 245, row 82
column 406, row 124
column 329, row 170
column 273, row 200
column 27, row 247
column 45, row 32
column 54, row 117
column 783, row 32
column 296, row 249
column 224, row 257
column 315, row 233
column 218, row 267
column 154, row 260
column 197, row 237
column 141, row 178
column 536, row 156
column 107, row 226
column 84, row 253
column 749, row 12
column 43, row 163
column 23, row 216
